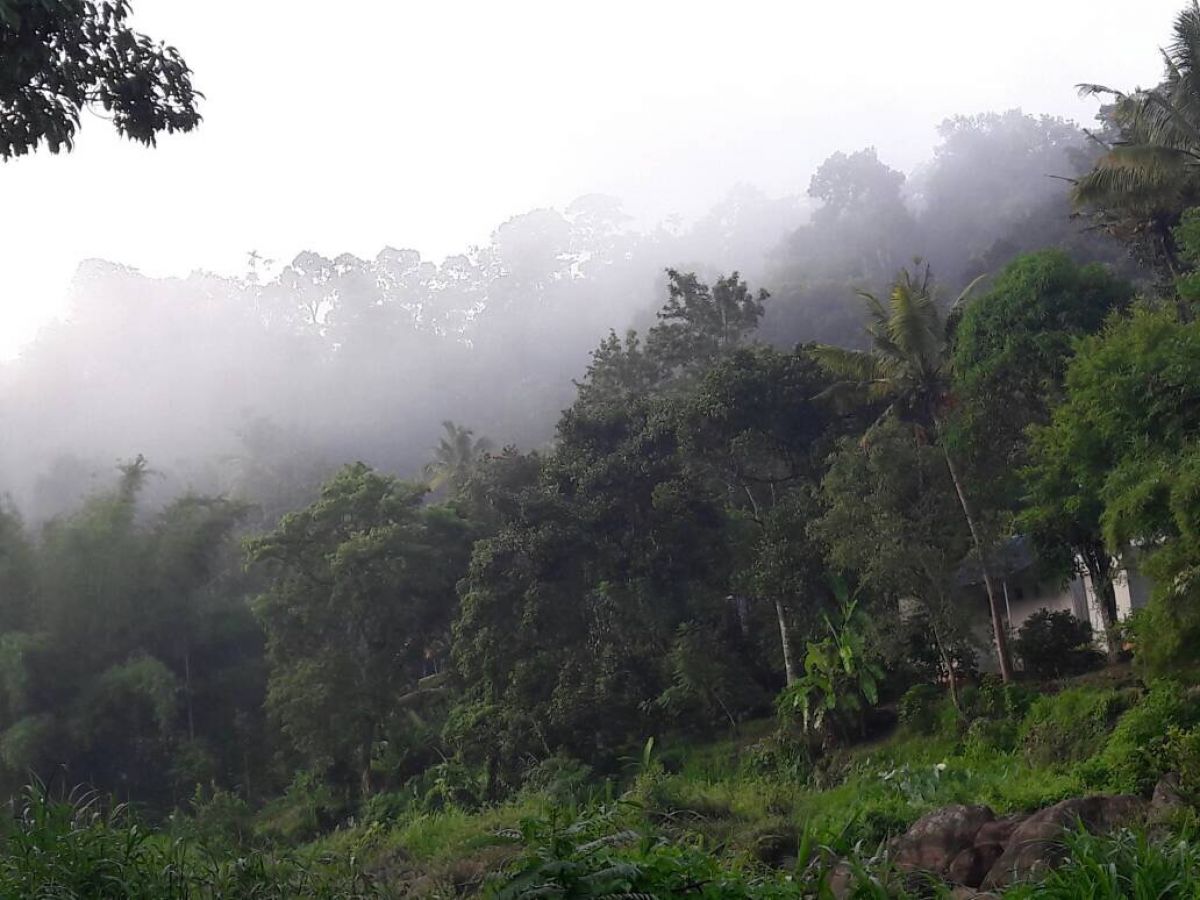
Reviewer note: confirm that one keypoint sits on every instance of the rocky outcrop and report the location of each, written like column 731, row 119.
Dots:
column 936, row 839
column 974, row 850
column 977, row 854
column 1038, row 844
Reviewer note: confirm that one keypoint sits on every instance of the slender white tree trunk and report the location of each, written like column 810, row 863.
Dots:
column 785, row 641
column 998, row 631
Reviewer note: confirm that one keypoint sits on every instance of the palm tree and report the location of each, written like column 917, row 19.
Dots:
column 1150, row 174
column 455, row 456
column 908, row 369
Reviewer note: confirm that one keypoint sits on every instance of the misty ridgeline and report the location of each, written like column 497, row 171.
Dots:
column 258, row 387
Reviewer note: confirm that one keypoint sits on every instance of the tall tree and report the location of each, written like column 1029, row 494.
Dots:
column 1120, row 453
column 362, row 588
column 1148, row 175
column 1011, row 351
column 908, row 369
column 455, row 456
column 59, row 56
column 753, row 426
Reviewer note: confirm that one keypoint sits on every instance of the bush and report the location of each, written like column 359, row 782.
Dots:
column 389, row 807
column 988, row 737
column 220, row 819
column 561, row 780
column 308, row 808
column 1054, row 644
column 993, row 699
column 918, row 708
column 1183, row 753
column 1068, row 726
column 1137, row 752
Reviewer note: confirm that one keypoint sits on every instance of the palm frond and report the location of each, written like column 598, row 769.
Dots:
column 1132, row 175
column 914, row 325
column 850, row 365
column 1097, row 90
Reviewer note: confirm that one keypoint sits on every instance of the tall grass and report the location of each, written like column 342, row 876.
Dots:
column 78, row 847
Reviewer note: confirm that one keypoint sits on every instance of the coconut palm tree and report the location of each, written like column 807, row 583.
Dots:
column 1152, row 172
column 908, row 370
column 455, row 455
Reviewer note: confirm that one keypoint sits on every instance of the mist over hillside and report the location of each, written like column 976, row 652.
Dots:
column 220, row 381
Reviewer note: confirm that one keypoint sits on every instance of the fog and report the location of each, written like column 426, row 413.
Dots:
column 449, row 208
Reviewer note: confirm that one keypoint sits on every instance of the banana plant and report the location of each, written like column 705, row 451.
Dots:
column 841, row 680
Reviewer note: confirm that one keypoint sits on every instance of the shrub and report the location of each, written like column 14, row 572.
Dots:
column 1054, row 644
column 1136, row 753
column 307, row 808
column 918, row 708
column 1183, row 753
column 561, row 780
column 221, row 818
column 994, row 699
column 389, row 807
column 987, row 737
column 1068, row 726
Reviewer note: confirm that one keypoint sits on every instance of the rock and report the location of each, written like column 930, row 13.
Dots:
column 1167, row 794
column 936, row 838
column 1037, row 843
column 998, row 831
column 971, row 865
column 839, row 881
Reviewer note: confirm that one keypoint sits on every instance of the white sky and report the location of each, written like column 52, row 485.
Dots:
column 352, row 125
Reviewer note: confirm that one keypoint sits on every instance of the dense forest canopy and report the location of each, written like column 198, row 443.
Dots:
column 364, row 358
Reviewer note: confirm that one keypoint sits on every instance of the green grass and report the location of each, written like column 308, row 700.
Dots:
column 750, row 815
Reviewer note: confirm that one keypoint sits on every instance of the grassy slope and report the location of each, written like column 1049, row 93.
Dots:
column 736, row 800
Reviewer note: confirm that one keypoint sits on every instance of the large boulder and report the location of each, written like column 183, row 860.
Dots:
column 1037, row 844
column 972, row 864
column 998, row 831
column 935, row 839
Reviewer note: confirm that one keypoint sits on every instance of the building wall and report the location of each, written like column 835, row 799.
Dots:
column 1024, row 595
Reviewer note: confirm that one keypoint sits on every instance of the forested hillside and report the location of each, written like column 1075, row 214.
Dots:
column 597, row 561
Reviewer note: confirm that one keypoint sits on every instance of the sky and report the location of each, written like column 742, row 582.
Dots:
column 360, row 124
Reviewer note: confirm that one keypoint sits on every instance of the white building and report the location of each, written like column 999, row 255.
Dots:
column 1024, row 592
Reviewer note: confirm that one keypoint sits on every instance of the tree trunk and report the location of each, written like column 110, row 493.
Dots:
column 948, row 663
column 368, row 744
column 785, row 641
column 993, row 601
column 1099, row 568
column 187, row 682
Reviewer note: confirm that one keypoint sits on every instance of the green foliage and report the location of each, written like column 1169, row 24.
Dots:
column 995, row 699
column 1068, row 726
column 841, row 679
column 598, row 855
column 58, row 57
column 1054, row 644
column 918, row 708
column 307, row 808
column 1127, row 864
column 1012, row 346
column 705, row 686
column 1137, row 752
column 219, row 819
column 79, row 848
column 358, row 606
column 1119, row 452
column 1144, row 181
